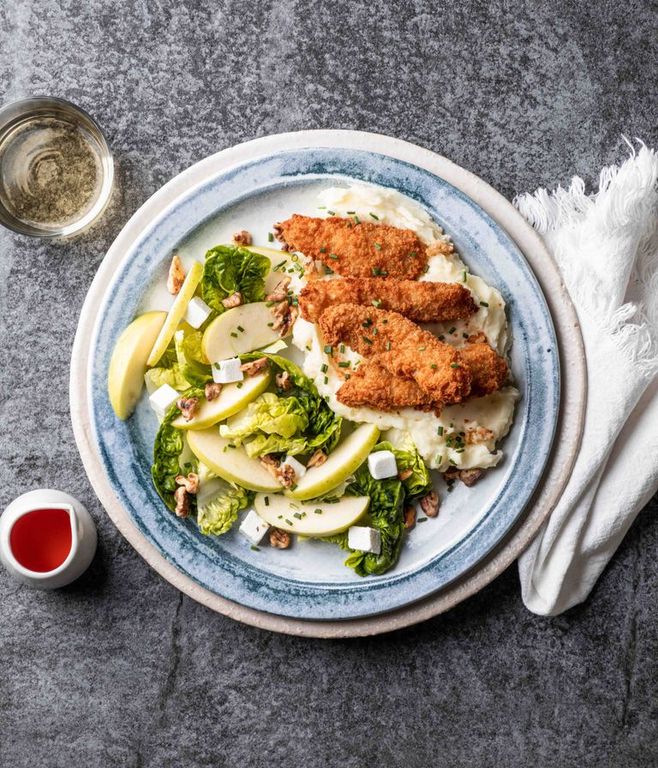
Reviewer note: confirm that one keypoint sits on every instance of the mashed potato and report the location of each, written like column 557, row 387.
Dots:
column 465, row 435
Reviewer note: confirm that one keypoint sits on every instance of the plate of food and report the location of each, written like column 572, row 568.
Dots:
column 321, row 384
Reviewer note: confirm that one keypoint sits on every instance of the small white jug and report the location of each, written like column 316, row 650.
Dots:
column 83, row 538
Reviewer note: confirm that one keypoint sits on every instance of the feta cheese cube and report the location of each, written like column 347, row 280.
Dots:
column 298, row 468
column 197, row 312
column 227, row 371
column 162, row 399
column 254, row 528
column 364, row 539
column 382, row 465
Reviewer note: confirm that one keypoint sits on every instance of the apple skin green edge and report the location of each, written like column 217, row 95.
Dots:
column 128, row 363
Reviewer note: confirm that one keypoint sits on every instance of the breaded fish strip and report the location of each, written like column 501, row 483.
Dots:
column 404, row 348
column 420, row 302
column 488, row 369
column 362, row 249
column 372, row 385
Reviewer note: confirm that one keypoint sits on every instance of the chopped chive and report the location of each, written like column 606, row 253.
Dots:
column 344, row 364
column 278, row 266
column 290, row 522
column 434, row 366
column 331, row 213
column 367, row 340
column 333, row 256
column 421, row 520
column 239, row 384
column 267, row 501
column 347, row 376
column 378, row 246
column 377, row 303
column 373, row 216
column 297, row 516
column 351, row 213
column 413, row 255
column 464, row 276
column 378, row 272
column 452, row 330
column 328, row 349
column 388, row 346
column 241, row 329
column 341, row 348
column 465, row 335
column 367, row 323
column 294, row 258
column 270, row 237
column 441, row 337
column 279, row 517
column 317, row 511
column 375, row 331
column 455, row 365
column 426, row 268
column 322, row 207
column 324, row 367
column 357, row 220
column 326, row 379
column 255, row 548
column 484, row 304
column 440, row 431
column 323, row 250
column 235, row 335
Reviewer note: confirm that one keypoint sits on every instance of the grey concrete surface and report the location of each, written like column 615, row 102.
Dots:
column 120, row 669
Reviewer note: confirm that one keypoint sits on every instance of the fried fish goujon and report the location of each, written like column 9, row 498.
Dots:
column 356, row 249
column 402, row 347
column 371, row 385
column 421, row 302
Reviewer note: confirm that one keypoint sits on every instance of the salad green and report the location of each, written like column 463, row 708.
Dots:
column 229, row 269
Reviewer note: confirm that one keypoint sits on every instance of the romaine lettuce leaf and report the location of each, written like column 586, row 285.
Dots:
column 156, row 377
column 419, row 483
column 296, row 421
column 167, row 451
column 190, row 358
column 229, row 269
column 218, row 504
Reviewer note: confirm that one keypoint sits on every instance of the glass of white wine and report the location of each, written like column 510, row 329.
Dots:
column 56, row 169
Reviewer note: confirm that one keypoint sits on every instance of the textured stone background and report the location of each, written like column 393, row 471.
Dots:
column 120, row 669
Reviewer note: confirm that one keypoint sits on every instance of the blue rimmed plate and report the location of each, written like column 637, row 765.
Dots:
column 309, row 581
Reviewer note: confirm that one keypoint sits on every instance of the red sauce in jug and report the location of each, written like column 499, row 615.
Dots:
column 41, row 540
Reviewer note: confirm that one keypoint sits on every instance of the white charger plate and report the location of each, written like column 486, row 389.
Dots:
column 159, row 211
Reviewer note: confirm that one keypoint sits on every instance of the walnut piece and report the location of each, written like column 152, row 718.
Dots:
column 234, row 300
column 468, row 476
column 279, row 539
column 188, row 406
column 242, row 237
column 182, row 502
column 317, row 459
column 176, row 275
column 283, row 381
column 284, row 473
column 406, row 473
column 430, row 504
column 478, row 435
column 409, row 517
column 190, row 483
column 280, row 292
column 284, row 317
column 255, row 366
column 212, row 390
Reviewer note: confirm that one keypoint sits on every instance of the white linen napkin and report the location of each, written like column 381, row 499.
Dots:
column 606, row 246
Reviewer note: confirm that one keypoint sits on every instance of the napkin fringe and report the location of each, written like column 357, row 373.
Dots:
column 626, row 202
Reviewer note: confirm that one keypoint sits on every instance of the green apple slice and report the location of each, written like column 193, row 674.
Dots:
column 176, row 312
column 125, row 377
column 232, row 398
column 232, row 464
column 310, row 519
column 280, row 259
column 223, row 338
column 344, row 459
